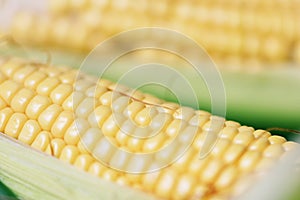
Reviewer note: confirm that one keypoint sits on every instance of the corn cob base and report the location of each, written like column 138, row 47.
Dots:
column 37, row 107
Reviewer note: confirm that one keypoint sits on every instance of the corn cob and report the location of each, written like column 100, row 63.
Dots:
column 47, row 108
column 259, row 30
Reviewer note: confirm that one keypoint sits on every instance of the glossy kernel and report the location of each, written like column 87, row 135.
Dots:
column 15, row 124
column 29, row 131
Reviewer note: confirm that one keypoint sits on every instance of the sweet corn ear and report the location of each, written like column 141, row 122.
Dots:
column 112, row 136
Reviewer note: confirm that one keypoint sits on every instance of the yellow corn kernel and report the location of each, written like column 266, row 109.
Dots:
column 168, row 107
column 42, row 142
column 5, row 115
column 77, row 36
column 275, row 139
column 75, row 131
column 165, row 184
column 82, row 147
column 214, row 125
column 3, row 104
column 89, row 139
column 144, row 117
column 96, row 91
column 154, row 143
column 140, row 132
column 48, row 150
column 15, row 124
column 259, row 144
column 61, row 124
column 188, row 134
column 104, row 83
column 197, row 165
column 73, row 100
column 243, row 138
column 120, row 160
column 67, row 77
column 122, row 137
column 29, row 131
column 21, row 74
column 220, row 147
column 48, row 116
column 111, row 126
column 23, row 24
column 246, row 129
column 249, row 160
column 57, row 146
column 261, row 133
column 83, row 161
column 123, row 181
column 273, row 151
column 212, row 171
column 37, row 105
column 149, row 180
column 21, row 100
column 100, row 114
column 134, row 144
column 228, row 132
column 199, row 191
column 110, row 175
column 59, row 35
column 226, row 178
column 232, row 124
column 11, row 66
column 52, row 71
column 33, row 81
column 81, row 85
column 128, row 127
column 288, row 146
column 139, row 164
column 199, row 140
column 233, row 153
column 8, row 89
column 85, row 107
column 265, row 164
column 175, row 127
column 96, row 169
column 184, row 113
column 103, row 150
column 47, row 85
column 160, row 122
column 60, row 93
column 184, row 186
column 184, row 159
column 40, row 34
column 69, row 154
column 133, row 108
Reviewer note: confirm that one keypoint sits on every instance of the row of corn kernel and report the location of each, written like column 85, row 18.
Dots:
column 243, row 17
column 61, row 7
column 75, row 35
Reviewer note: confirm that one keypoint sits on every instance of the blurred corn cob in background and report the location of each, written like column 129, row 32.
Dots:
column 264, row 30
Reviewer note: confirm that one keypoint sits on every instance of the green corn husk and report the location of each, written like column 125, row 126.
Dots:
column 34, row 175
